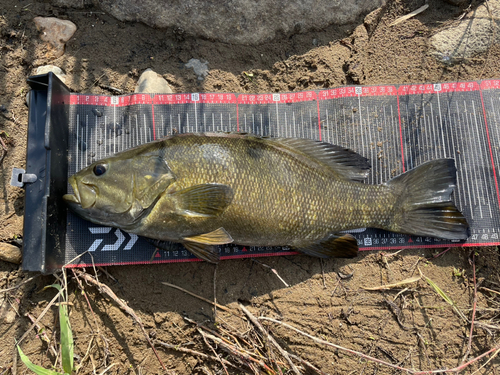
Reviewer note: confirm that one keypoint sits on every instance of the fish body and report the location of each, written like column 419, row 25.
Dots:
column 205, row 190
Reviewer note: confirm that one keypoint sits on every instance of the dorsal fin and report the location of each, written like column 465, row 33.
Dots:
column 344, row 161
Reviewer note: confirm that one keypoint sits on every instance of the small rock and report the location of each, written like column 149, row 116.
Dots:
column 469, row 37
column 200, row 68
column 9, row 317
column 3, row 108
column 56, row 32
column 10, row 253
column 7, row 313
column 51, row 68
column 153, row 83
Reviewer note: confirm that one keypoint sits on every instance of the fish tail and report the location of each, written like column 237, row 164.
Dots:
column 423, row 204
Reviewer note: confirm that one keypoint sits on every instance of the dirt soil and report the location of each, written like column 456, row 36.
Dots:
column 410, row 326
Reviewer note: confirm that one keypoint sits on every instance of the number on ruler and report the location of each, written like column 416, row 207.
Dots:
column 195, row 97
column 276, row 97
column 437, row 87
column 358, row 90
column 114, row 100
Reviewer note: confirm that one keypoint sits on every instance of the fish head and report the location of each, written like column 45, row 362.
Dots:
column 120, row 190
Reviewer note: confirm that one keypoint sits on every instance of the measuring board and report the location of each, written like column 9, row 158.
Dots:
column 395, row 127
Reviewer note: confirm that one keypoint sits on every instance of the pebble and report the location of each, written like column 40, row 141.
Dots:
column 200, row 68
column 10, row 253
column 56, row 32
column 7, row 314
column 152, row 83
column 44, row 69
column 470, row 36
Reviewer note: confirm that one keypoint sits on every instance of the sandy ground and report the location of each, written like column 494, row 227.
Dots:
column 409, row 326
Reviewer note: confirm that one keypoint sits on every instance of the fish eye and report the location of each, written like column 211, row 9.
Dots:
column 100, row 169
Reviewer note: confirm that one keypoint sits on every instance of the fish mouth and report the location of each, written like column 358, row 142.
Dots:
column 72, row 198
column 84, row 195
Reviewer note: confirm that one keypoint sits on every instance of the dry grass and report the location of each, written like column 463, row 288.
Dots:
column 240, row 339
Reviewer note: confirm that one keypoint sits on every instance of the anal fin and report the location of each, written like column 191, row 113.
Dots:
column 334, row 246
column 209, row 253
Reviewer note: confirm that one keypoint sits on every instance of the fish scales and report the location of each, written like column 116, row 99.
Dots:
column 277, row 199
column 208, row 189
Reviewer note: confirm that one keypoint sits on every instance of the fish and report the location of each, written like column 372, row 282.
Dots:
column 210, row 189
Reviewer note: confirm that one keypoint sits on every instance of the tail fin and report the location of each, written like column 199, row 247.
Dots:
column 424, row 207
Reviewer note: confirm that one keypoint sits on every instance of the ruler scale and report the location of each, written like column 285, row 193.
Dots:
column 396, row 127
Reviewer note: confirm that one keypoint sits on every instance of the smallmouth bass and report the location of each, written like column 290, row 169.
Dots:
column 204, row 190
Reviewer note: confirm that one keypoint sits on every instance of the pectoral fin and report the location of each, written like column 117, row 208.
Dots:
column 204, row 200
column 217, row 237
column 209, row 253
column 337, row 245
